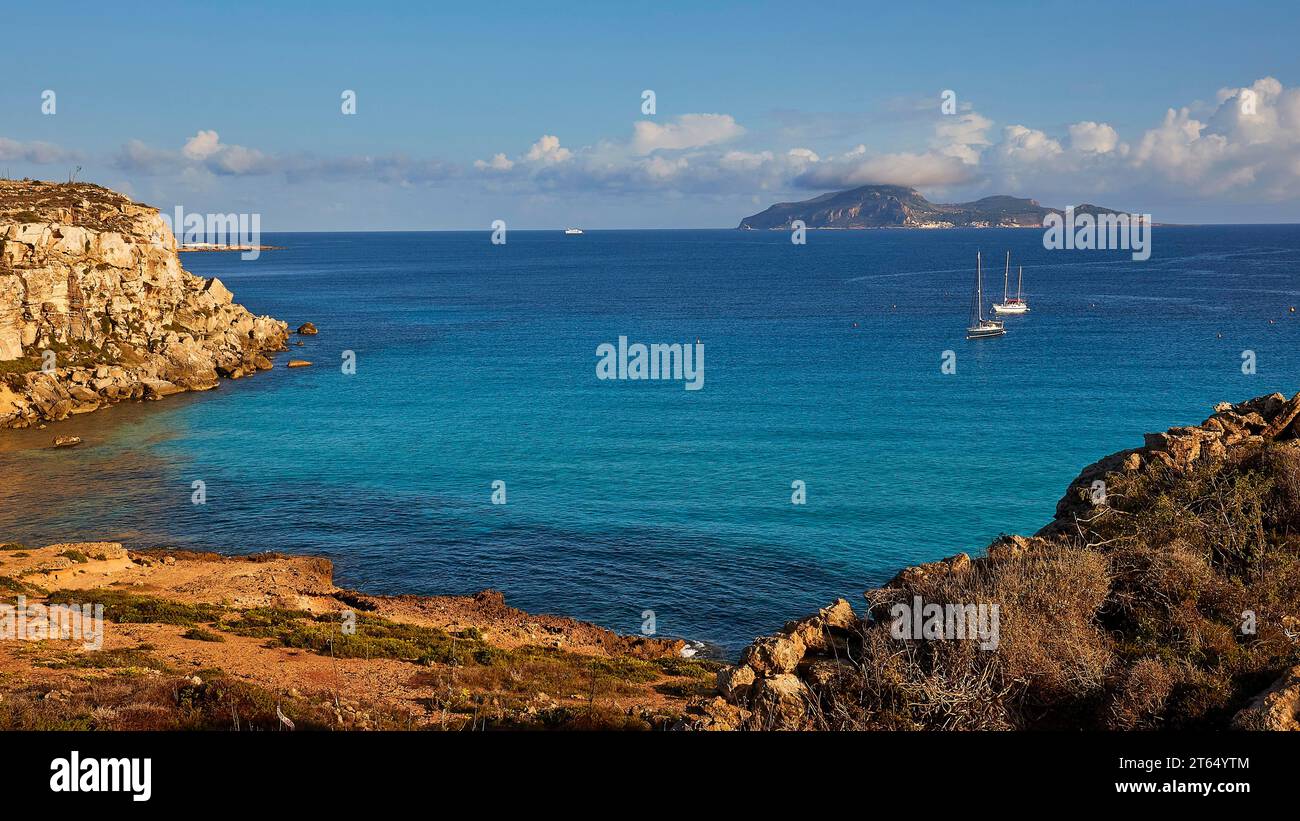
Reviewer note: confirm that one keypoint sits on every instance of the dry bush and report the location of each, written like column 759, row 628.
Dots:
column 1050, row 653
column 1135, row 624
column 1139, row 701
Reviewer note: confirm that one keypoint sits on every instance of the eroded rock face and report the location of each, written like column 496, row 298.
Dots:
column 1275, row 709
column 94, row 301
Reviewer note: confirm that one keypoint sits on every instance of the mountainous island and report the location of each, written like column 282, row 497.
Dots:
column 897, row 206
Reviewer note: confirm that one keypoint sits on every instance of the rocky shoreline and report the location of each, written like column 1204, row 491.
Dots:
column 1237, row 472
column 96, row 309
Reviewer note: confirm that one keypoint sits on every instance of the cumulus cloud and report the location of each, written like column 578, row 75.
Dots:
column 548, row 150
column 203, row 151
column 202, row 145
column 962, row 136
column 1098, row 138
column 1245, row 146
column 499, row 162
column 687, row 131
column 898, row 168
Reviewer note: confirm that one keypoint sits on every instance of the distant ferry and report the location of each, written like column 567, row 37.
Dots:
column 573, row 230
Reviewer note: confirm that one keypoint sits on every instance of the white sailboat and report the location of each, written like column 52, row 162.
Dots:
column 573, row 231
column 1016, row 304
column 981, row 328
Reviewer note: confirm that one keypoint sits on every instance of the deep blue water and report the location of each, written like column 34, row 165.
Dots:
column 477, row 363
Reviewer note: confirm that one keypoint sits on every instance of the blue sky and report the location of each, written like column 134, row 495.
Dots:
column 235, row 107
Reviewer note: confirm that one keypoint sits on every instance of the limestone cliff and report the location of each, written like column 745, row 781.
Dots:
column 95, row 307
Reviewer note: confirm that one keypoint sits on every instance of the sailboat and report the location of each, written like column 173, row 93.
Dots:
column 1016, row 304
column 979, row 326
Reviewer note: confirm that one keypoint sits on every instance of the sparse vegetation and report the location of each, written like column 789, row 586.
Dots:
column 1133, row 623
column 128, row 608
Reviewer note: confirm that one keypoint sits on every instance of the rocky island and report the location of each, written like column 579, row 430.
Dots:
column 897, row 206
column 95, row 307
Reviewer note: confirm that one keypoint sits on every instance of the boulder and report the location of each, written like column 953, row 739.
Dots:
column 1283, row 418
column 781, row 703
column 773, row 655
column 716, row 714
column 299, row 363
column 307, row 329
column 734, row 682
column 67, row 441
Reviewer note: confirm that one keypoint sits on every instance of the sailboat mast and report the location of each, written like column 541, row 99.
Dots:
column 1020, row 280
column 979, row 288
column 1006, row 276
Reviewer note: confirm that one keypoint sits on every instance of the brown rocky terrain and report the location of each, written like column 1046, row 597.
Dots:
column 95, row 307
column 197, row 640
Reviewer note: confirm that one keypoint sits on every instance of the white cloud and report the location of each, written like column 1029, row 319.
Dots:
column 1245, row 147
column 962, row 136
column 899, row 168
column 1025, row 144
column 548, row 150
column 1098, row 138
column 499, row 162
column 688, row 131
column 202, row 145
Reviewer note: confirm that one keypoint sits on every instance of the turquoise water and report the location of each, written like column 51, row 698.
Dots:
column 477, row 362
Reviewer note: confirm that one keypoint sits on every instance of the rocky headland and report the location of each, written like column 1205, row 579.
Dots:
column 95, row 307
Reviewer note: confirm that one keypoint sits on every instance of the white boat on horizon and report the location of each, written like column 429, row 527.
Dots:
column 1016, row 304
column 572, row 231
column 981, row 328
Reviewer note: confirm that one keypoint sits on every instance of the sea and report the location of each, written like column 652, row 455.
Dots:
column 844, row 429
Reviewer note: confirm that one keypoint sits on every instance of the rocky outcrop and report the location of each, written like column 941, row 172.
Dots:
column 767, row 689
column 1277, row 708
column 1249, row 424
column 95, row 307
